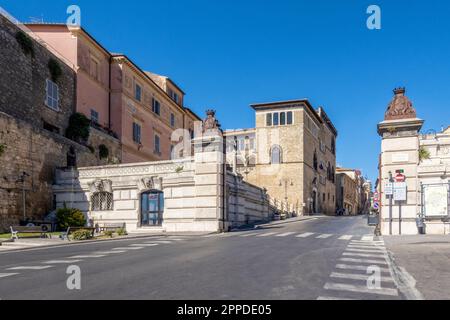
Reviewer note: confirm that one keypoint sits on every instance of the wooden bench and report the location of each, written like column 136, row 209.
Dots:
column 15, row 230
column 71, row 230
column 112, row 226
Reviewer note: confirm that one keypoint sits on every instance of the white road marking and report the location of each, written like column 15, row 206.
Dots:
column 22, row 244
column 4, row 275
column 364, row 255
column 249, row 234
column 363, row 261
column 285, row 234
column 357, row 267
column 333, row 298
column 127, row 248
column 159, row 241
column 345, row 237
column 366, row 250
column 324, row 236
column 177, row 239
column 29, row 268
column 88, row 256
column 361, row 289
column 109, row 252
column 145, row 245
column 305, row 235
column 63, row 261
column 367, row 238
column 267, row 234
column 352, row 276
column 374, row 243
column 359, row 246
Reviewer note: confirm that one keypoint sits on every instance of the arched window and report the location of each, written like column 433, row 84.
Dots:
column 333, row 146
column 102, row 201
column 329, row 171
column 275, row 155
column 315, row 160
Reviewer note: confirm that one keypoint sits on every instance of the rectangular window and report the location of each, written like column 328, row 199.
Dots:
column 52, row 99
column 283, row 118
column 269, row 119
column 172, row 120
column 138, row 92
column 275, row 119
column 252, row 144
column 289, row 117
column 157, row 144
column 156, row 107
column 94, row 69
column 94, row 116
column 136, row 133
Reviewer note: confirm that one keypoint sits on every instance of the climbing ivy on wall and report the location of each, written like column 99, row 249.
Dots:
column 55, row 69
column 2, row 148
column 25, row 43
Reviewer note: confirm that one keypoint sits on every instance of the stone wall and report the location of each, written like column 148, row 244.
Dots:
column 246, row 203
column 37, row 152
column 23, row 81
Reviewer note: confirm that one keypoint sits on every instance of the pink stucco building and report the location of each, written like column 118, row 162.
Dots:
column 141, row 108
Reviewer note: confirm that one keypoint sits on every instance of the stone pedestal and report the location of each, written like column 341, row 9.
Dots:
column 209, row 183
column 399, row 151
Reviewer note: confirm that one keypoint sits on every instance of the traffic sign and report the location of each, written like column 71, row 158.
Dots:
column 399, row 176
column 376, row 205
column 376, row 196
column 400, row 191
column 389, row 189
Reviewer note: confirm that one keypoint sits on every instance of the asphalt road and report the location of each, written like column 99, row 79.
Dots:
column 321, row 258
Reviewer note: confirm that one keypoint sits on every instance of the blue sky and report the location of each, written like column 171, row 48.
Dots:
column 229, row 54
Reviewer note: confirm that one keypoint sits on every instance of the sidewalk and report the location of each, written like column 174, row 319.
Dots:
column 427, row 259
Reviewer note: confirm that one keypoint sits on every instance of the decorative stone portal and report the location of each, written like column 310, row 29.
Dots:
column 193, row 194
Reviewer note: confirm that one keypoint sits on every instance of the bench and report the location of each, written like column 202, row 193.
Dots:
column 15, row 230
column 71, row 230
column 112, row 226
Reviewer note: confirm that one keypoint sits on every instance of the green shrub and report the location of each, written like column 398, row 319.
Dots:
column 82, row 235
column 103, row 151
column 108, row 233
column 2, row 149
column 69, row 217
column 122, row 232
column 55, row 69
column 79, row 128
column 25, row 42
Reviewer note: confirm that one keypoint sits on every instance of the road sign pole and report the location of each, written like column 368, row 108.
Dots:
column 390, row 215
column 399, row 218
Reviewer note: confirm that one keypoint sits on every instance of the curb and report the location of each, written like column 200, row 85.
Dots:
column 83, row 242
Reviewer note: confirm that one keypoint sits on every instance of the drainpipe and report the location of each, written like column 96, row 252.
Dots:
column 224, row 183
column 109, row 93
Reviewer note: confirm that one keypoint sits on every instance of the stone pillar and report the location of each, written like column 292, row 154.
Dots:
column 399, row 151
column 209, row 177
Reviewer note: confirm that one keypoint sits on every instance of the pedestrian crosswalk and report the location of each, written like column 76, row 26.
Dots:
column 264, row 234
column 67, row 260
column 363, row 272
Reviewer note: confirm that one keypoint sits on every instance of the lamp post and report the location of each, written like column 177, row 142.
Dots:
column 286, row 182
column 22, row 180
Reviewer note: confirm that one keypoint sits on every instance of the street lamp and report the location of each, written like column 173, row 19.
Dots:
column 286, row 182
column 22, row 180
